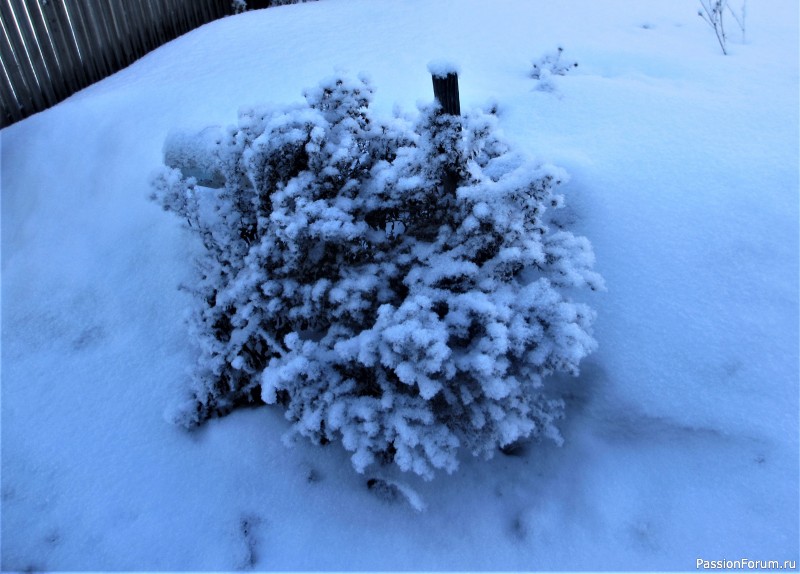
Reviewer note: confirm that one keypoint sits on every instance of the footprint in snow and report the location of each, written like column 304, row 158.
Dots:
column 249, row 536
column 395, row 492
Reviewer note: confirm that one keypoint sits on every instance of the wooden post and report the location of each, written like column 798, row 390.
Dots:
column 445, row 90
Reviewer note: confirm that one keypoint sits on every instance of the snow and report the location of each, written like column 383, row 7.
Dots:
column 681, row 432
column 442, row 68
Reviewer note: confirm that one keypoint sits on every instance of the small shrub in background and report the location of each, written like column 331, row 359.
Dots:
column 549, row 65
column 242, row 5
column 338, row 280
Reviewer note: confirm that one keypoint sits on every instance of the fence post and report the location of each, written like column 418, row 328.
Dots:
column 445, row 90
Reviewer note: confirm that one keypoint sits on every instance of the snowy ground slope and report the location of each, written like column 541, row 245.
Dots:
column 682, row 430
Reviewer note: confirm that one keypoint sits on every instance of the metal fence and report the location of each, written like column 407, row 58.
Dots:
column 50, row 49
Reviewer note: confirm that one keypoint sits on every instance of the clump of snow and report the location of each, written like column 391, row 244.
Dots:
column 196, row 154
column 442, row 68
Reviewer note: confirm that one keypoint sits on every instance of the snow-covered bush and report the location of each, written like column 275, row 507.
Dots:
column 337, row 279
column 549, row 65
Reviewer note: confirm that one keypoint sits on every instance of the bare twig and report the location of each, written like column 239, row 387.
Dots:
column 712, row 12
column 740, row 19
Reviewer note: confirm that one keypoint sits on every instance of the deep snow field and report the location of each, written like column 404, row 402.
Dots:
column 681, row 435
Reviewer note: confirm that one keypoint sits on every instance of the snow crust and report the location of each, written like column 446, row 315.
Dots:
column 681, row 432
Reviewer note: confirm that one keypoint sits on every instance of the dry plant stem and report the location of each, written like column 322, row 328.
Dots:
column 740, row 19
column 712, row 14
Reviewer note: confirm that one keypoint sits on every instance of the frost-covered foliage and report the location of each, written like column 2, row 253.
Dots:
column 240, row 6
column 339, row 280
column 549, row 65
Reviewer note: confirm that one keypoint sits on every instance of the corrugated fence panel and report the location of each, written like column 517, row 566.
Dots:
column 50, row 49
column 47, row 51
column 16, row 61
column 55, row 20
